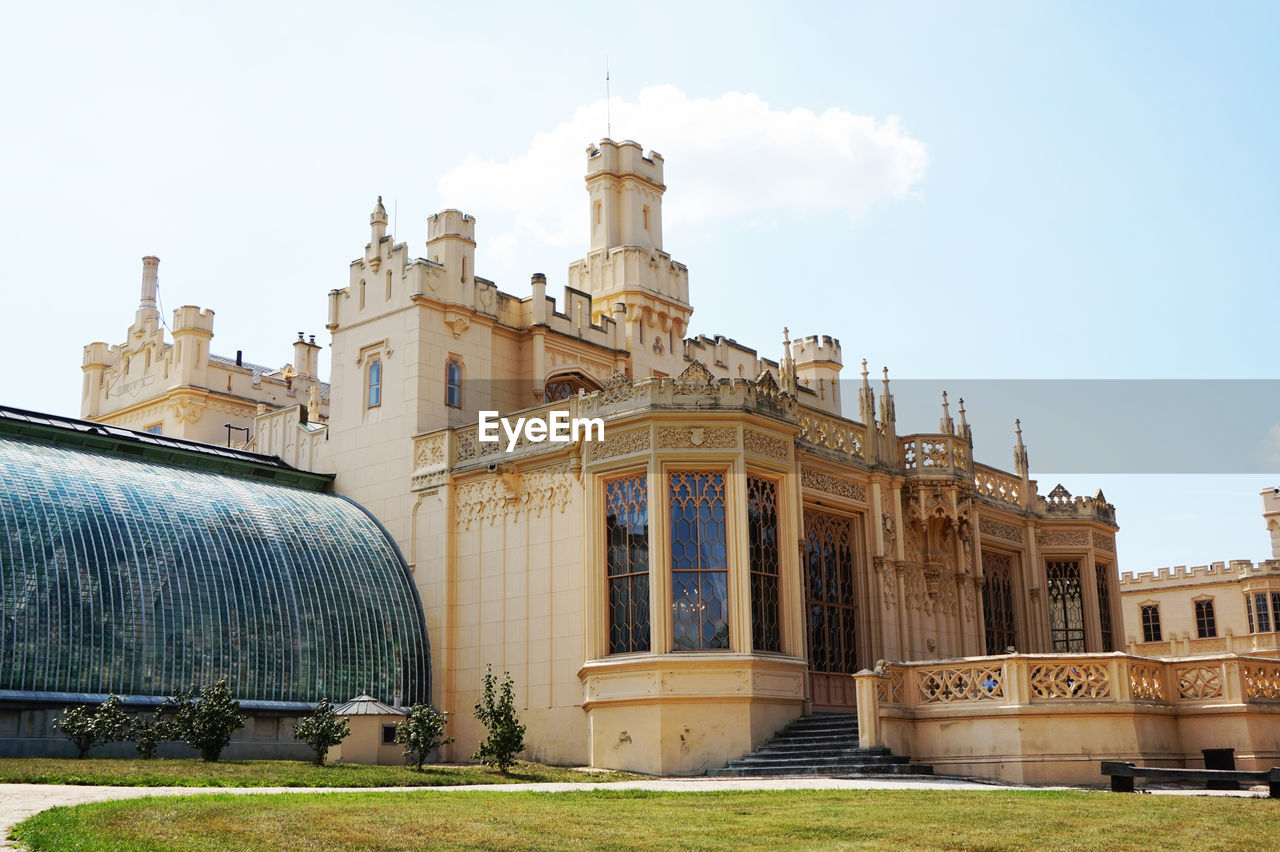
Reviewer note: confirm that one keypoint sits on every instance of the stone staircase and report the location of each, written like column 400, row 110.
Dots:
column 820, row 744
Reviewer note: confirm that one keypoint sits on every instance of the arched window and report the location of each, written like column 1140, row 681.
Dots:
column 565, row 386
column 375, row 383
column 453, row 383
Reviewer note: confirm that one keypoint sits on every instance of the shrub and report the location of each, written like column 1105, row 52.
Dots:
column 496, row 711
column 147, row 732
column 322, row 730
column 422, row 733
column 87, row 728
column 207, row 723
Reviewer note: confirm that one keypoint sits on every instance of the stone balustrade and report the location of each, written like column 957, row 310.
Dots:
column 998, row 487
column 934, row 455
column 846, row 438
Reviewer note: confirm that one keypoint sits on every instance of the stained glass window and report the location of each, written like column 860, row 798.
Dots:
column 998, row 601
column 626, row 532
column 1066, row 606
column 830, row 607
column 699, row 563
column 762, row 529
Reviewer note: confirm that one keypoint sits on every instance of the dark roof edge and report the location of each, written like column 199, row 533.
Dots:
column 159, row 449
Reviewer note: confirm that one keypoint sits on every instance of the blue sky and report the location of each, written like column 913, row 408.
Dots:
column 1037, row 190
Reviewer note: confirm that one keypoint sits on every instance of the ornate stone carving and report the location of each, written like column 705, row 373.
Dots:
column 766, row 445
column 678, row 437
column 1070, row 680
column 969, row 594
column 1144, row 682
column 1104, row 542
column 991, row 528
column 837, row 485
column 961, row 683
column 498, row 498
column 695, row 379
column 888, row 580
column 914, row 588
column 1062, row 538
column 618, row 389
column 187, row 410
column 1198, row 682
column 429, row 452
column 887, row 532
column 620, row 443
column 914, row 543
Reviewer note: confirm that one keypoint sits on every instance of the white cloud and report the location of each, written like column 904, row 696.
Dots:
column 731, row 158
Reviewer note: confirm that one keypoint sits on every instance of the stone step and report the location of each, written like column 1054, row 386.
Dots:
column 817, row 760
column 896, row 769
column 816, row 739
column 773, row 750
column 828, row 731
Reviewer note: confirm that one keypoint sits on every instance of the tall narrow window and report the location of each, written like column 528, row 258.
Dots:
column 830, row 608
column 1151, row 624
column 997, row 601
column 1104, row 606
column 762, row 529
column 1206, row 619
column 699, row 563
column 375, row 383
column 1066, row 606
column 626, row 533
column 453, row 383
column 1261, row 613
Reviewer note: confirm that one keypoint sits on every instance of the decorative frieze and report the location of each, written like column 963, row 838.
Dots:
column 837, row 485
column 991, row 528
column 1062, row 538
column 502, row 498
column 1102, row 541
column 697, row 437
column 620, row 444
column 766, row 445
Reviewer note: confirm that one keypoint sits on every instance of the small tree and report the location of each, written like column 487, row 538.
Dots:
column 87, row 728
column 422, row 733
column 496, row 711
column 207, row 723
column 322, row 730
column 76, row 725
column 148, row 731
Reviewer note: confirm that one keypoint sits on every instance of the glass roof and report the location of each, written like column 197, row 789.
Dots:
column 127, row 576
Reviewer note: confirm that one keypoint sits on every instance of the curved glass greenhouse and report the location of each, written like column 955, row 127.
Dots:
column 126, row 576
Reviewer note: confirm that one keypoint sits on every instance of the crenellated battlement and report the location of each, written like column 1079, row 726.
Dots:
column 191, row 318
column 451, row 223
column 624, row 158
column 815, row 348
column 728, row 358
column 1214, row 571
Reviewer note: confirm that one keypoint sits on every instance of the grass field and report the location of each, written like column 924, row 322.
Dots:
column 852, row 819
column 274, row 773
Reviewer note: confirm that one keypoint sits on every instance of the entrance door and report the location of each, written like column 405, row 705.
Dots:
column 831, row 614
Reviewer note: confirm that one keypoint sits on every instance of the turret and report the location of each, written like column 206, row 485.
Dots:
column 451, row 242
column 1271, row 514
column 377, row 223
column 625, row 189
column 192, row 331
column 817, row 365
column 97, row 358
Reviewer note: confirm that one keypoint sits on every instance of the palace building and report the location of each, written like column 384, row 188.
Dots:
column 749, row 541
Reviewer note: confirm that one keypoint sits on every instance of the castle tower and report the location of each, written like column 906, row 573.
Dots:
column 817, row 363
column 625, row 263
column 1271, row 514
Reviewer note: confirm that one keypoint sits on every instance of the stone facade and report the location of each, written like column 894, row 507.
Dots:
column 1222, row 607
column 731, row 551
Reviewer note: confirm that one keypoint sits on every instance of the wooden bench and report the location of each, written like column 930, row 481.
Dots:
column 1122, row 775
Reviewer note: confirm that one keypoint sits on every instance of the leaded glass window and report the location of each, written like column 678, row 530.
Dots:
column 699, row 563
column 1104, row 605
column 762, row 530
column 830, row 608
column 1066, row 606
column 998, row 601
column 1151, row 631
column 1206, row 619
column 626, row 533
column 1259, row 613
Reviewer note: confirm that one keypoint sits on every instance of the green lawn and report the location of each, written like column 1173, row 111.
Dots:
column 853, row 819
column 274, row 773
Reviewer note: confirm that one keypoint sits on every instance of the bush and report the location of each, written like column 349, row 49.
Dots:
column 322, row 730
column 207, row 723
column 496, row 711
column 147, row 732
column 422, row 733
column 87, row 728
